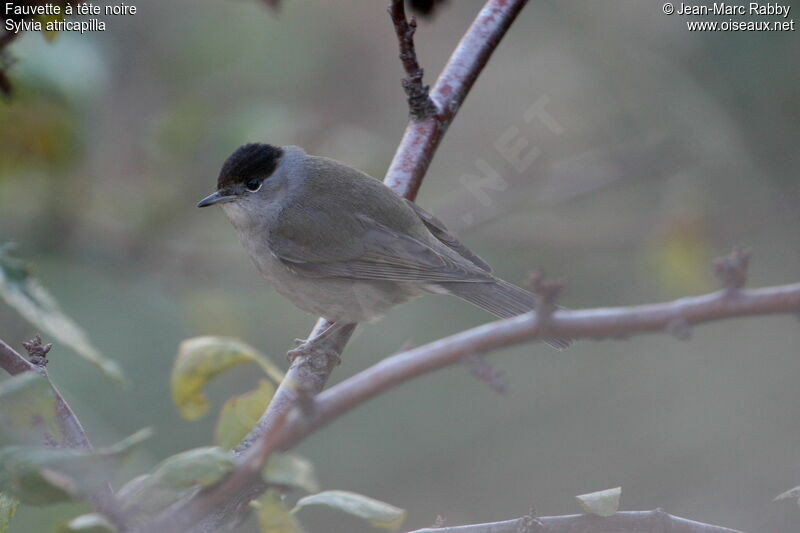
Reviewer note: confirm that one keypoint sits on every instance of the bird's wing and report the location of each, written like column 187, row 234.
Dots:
column 440, row 231
column 358, row 247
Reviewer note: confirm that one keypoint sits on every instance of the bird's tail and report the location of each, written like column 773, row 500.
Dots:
column 502, row 299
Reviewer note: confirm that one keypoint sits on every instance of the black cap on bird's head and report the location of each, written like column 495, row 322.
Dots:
column 249, row 165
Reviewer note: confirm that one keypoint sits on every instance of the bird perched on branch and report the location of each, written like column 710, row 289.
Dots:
column 341, row 244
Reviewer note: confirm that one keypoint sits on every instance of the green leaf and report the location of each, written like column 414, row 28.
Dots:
column 240, row 414
column 273, row 516
column 142, row 498
column 291, row 470
column 8, row 508
column 22, row 291
column 174, row 477
column 601, row 503
column 87, row 523
column 378, row 513
column 39, row 476
column 29, row 409
column 200, row 359
column 200, row 466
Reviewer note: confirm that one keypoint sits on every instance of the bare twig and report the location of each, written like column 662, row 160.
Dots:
column 419, row 101
column 622, row 522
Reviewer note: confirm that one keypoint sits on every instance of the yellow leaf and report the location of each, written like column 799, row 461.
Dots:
column 49, row 34
column 200, row 359
column 240, row 413
column 273, row 517
column 601, row 503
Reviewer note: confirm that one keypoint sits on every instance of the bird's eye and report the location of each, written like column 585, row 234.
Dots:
column 253, row 184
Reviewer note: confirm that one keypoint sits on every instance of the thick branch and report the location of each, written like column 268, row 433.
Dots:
column 309, row 373
column 597, row 324
column 404, row 176
column 622, row 522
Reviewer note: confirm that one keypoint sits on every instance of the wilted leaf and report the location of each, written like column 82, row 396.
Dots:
column 793, row 494
column 601, row 503
column 38, row 475
column 239, row 415
column 29, row 409
column 200, row 359
column 273, row 517
column 87, row 523
column 291, row 470
column 8, row 508
column 24, row 293
column 378, row 513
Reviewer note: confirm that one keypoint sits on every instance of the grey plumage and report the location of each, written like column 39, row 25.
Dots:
column 341, row 244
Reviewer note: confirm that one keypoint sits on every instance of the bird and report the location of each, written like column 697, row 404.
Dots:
column 340, row 244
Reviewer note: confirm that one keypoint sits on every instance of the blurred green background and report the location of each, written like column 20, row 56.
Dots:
column 673, row 148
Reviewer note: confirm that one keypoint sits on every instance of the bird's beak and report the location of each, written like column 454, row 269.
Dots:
column 218, row 197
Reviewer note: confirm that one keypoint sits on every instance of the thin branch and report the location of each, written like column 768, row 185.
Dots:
column 622, row 522
column 419, row 101
column 71, row 429
column 74, row 436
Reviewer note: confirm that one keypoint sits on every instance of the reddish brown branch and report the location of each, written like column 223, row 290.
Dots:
column 622, row 522
column 309, row 373
column 421, row 138
column 597, row 324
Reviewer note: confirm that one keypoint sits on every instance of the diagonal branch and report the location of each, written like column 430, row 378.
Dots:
column 309, row 373
column 72, row 431
column 74, row 435
column 622, row 522
column 420, row 141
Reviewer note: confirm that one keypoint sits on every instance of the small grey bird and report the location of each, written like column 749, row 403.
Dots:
column 341, row 244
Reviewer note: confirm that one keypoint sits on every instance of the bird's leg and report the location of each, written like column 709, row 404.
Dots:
column 323, row 342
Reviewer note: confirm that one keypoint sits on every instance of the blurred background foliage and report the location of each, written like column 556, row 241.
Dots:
column 676, row 146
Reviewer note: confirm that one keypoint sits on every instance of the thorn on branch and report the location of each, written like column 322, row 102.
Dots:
column 37, row 352
column 419, row 100
column 529, row 523
column 482, row 370
column 732, row 269
column 547, row 292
